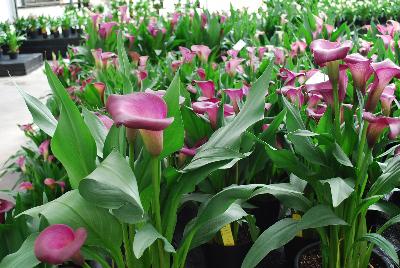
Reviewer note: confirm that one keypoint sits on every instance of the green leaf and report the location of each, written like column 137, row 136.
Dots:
column 115, row 140
column 112, row 185
column 390, row 222
column 24, row 257
column 286, row 229
column 97, row 128
column 124, row 65
column 340, row 190
column 72, row 142
column 104, row 230
column 40, row 113
column 269, row 135
column 389, row 179
column 196, row 128
column 174, row 134
column 341, row 156
column 145, row 237
column 383, row 243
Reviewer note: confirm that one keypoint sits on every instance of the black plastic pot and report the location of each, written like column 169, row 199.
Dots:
column 73, row 30
column 296, row 244
column 33, row 34
column 267, row 210
column 80, row 31
column 44, row 34
column 382, row 262
column 13, row 55
column 217, row 256
column 66, row 32
column 56, row 34
column 1, row 53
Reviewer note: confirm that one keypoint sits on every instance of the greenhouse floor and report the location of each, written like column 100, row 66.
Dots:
column 13, row 110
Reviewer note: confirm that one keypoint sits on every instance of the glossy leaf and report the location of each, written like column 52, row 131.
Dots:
column 115, row 140
column 341, row 156
column 97, row 128
column 24, row 257
column 383, row 243
column 340, row 190
column 145, row 237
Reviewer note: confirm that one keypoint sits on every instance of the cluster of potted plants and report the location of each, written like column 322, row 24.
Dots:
column 11, row 40
column 207, row 140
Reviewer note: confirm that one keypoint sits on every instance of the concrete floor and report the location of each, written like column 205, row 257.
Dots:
column 13, row 110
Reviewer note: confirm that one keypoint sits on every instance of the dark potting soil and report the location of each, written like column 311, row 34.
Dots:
column 313, row 259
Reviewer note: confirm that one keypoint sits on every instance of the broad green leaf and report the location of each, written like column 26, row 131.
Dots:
column 208, row 231
column 174, row 134
column 97, row 128
column 390, row 222
column 382, row 243
column 145, row 237
column 341, row 156
column 286, row 229
column 41, row 115
column 270, row 133
column 340, row 190
column 124, row 65
column 24, row 257
column 72, row 142
column 112, row 185
column 389, row 179
column 104, row 230
column 115, row 140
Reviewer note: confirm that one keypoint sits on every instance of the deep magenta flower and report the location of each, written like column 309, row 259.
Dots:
column 377, row 124
column 298, row 47
column 289, row 77
column 59, row 243
column 231, row 66
column 25, row 186
column 106, row 28
column 202, row 52
column 211, row 108
column 361, row 70
column 228, row 110
column 44, row 149
column 21, row 163
column 187, row 54
column 5, row 206
column 236, row 95
column 319, row 83
column 387, row 98
column 141, row 111
column 384, row 72
column 325, row 51
column 294, row 94
column 207, row 88
column 201, row 73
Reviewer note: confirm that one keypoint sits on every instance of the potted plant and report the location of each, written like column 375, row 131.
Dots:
column 66, row 26
column 33, row 27
column 3, row 38
column 54, row 27
column 43, row 23
column 14, row 41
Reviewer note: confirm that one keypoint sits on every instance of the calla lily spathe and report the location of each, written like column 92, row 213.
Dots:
column 361, row 70
column 326, row 51
column 146, row 112
column 377, row 124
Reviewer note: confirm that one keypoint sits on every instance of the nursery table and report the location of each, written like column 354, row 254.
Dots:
column 24, row 64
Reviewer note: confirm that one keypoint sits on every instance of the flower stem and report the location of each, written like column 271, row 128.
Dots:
column 333, row 73
column 127, row 246
column 156, row 181
column 132, row 156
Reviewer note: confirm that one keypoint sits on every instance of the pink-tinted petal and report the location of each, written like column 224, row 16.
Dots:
column 25, row 185
column 187, row 54
column 232, row 65
column 325, row 51
column 107, row 121
column 44, row 148
column 208, row 107
column 202, row 52
column 59, row 243
column 139, row 111
column 5, row 206
column 229, row 110
column 106, row 28
column 387, row 98
column 207, row 88
column 201, row 73
column 21, row 163
column 361, row 70
column 289, row 77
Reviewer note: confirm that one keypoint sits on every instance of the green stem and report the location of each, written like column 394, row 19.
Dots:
column 132, row 156
column 128, row 247
column 361, row 150
column 337, row 112
column 156, row 181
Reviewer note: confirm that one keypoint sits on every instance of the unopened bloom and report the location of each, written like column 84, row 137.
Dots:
column 21, row 163
column 201, row 73
column 25, row 185
column 59, row 243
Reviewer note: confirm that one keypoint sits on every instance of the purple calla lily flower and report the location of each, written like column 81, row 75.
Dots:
column 141, row 111
column 176, row 64
column 26, row 128
column 361, row 70
column 232, row 53
column 279, row 56
column 130, row 38
column 384, row 72
column 21, row 163
column 319, row 83
column 5, row 206
column 211, row 108
column 387, row 98
column 95, row 19
column 288, row 77
column 207, row 88
column 59, row 243
column 101, row 87
column 44, row 149
column 201, row 73
column 51, row 183
column 325, row 51
column 236, row 95
column 123, row 13
column 261, row 52
column 377, row 124
column 294, row 94
column 175, row 18
column 202, row 52
column 297, row 47
column 106, row 28
column 228, row 110
column 232, row 65
column 187, row 54
column 25, row 186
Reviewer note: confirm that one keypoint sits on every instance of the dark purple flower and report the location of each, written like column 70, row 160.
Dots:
column 377, row 124
column 59, row 243
column 361, row 70
column 5, row 206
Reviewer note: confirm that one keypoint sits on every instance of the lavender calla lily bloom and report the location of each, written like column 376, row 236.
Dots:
column 202, row 52
column 232, row 65
column 59, row 243
column 377, row 124
column 387, row 98
column 187, row 54
column 384, row 72
column 146, row 112
column 361, row 70
column 325, row 51
column 44, row 149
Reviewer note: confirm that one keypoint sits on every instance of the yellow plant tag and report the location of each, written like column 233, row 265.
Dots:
column 227, row 237
column 297, row 217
